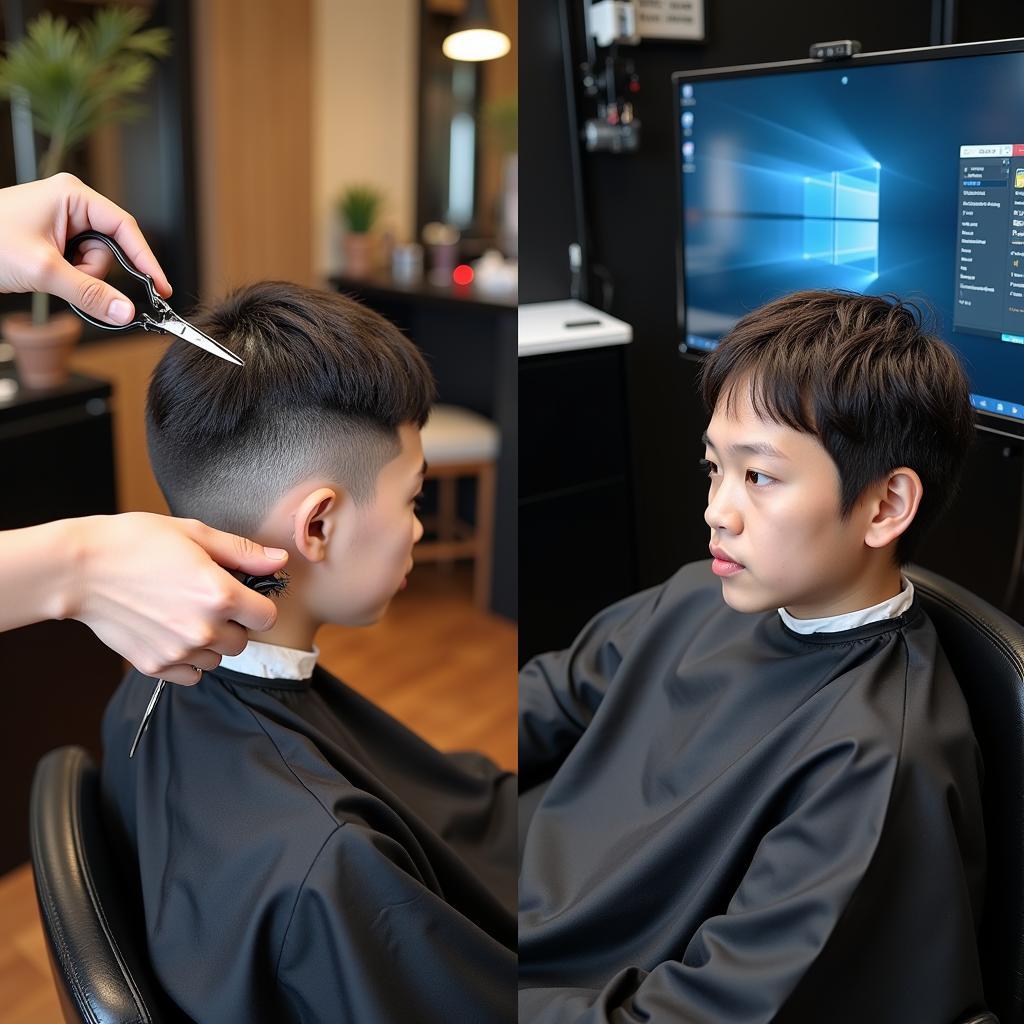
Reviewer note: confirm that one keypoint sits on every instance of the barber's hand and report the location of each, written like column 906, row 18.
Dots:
column 37, row 220
column 151, row 588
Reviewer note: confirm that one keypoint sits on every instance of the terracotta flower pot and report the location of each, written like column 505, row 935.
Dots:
column 359, row 253
column 42, row 352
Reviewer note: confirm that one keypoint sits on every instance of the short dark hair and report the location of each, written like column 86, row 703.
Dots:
column 325, row 386
column 867, row 377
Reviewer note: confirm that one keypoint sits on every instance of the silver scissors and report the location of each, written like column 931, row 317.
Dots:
column 164, row 320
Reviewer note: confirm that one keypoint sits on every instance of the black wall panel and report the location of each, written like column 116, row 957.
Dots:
column 547, row 223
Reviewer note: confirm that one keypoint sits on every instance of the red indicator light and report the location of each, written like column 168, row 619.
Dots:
column 462, row 274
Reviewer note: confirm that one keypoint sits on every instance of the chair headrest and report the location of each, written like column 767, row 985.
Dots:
column 985, row 648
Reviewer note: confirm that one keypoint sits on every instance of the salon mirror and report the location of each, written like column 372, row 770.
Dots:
column 467, row 142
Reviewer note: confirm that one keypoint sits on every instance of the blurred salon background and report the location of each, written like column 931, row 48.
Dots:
column 309, row 140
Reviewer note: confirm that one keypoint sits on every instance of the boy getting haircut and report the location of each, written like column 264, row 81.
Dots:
column 301, row 855
column 862, row 375
column 326, row 384
column 753, row 793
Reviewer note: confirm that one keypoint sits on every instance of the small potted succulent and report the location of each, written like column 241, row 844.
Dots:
column 359, row 207
column 75, row 79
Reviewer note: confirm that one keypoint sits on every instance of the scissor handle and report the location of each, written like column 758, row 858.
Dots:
column 119, row 254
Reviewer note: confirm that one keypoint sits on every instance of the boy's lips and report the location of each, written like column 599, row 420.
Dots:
column 405, row 578
column 724, row 556
column 724, row 564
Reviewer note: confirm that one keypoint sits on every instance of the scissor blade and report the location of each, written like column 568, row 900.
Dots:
column 147, row 714
column 175, row 325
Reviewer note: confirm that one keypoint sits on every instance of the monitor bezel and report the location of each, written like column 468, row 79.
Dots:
column 991, row 422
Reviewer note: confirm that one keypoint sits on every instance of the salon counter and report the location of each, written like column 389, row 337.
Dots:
column 383, row 287
column 469, row 339
column 568, row 326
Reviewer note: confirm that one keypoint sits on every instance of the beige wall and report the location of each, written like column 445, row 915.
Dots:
column 295, row 99
column 364, row 113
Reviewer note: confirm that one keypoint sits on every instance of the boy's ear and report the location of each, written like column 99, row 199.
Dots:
column 894, row 507
column 314, row 522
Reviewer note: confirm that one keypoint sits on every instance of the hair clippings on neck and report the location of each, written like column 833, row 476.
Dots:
column 271, row 586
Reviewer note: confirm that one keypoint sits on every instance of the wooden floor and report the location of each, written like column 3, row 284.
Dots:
column 441, row 666
column 436, row 663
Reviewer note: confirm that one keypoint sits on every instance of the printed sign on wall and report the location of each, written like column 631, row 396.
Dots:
column 670, row 19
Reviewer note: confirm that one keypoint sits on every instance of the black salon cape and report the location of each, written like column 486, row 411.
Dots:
column 304, row 857
column 747, row 824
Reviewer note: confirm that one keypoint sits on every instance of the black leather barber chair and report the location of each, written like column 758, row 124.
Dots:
column 986, row 649
column 91, row 915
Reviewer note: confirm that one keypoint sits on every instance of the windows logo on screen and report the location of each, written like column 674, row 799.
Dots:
column 841, row 217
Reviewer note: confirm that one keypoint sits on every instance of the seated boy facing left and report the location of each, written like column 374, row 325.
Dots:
column 302, row 856
column 752, row 793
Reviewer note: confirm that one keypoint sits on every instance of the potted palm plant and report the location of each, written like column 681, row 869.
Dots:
column 75, row 79
column 359, row 207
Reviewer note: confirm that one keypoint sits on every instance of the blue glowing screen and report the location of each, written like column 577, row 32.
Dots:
column 902, row 178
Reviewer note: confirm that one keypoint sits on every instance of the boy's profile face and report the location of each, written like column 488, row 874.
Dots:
column 777, row 515
column 370, row 553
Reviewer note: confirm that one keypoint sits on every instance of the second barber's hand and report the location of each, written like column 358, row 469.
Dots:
column 153, row 588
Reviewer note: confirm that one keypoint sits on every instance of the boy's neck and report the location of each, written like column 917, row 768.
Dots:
column 294, row 628
column 864, row 592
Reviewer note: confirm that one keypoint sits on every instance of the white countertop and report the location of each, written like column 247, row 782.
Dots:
column 567, row 325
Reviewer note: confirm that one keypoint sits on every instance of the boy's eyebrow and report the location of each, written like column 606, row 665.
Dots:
column 754, row 448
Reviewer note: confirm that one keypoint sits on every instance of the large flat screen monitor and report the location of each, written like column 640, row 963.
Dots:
column 898, row 172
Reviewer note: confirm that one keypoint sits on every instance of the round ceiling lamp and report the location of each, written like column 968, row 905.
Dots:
column 475, row 37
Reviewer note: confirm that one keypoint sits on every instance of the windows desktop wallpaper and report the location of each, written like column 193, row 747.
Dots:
column 892, row 178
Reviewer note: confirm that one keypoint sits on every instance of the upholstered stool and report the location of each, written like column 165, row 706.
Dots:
column 458, row 443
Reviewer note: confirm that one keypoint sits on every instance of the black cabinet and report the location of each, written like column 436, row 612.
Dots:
column 469, row 342
column 56, row 461
column 575, row 499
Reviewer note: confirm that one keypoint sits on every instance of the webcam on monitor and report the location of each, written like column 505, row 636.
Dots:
column 838, row 49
